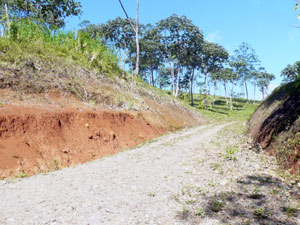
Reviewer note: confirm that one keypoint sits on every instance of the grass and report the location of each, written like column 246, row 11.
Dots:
column 35, row 60
column 217, row 206
column 221, row 112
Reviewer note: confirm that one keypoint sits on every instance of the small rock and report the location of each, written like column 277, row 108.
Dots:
column 224, row 182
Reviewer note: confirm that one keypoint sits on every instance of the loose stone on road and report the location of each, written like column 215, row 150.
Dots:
column 195, row 176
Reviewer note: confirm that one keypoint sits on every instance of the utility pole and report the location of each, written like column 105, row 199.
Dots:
column 7, row 18
column 137, row 40
column 136, row 30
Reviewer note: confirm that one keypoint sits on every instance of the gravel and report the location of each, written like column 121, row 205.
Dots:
column 176, row 179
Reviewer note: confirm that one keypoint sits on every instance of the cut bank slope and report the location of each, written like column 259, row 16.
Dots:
column 63, row 102
column 276, row 125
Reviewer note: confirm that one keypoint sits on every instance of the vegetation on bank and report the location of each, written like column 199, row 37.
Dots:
column 275, row 125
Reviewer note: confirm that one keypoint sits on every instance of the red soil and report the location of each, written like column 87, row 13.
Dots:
column 34, row 140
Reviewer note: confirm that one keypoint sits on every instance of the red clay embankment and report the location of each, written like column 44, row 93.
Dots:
column 34, row 140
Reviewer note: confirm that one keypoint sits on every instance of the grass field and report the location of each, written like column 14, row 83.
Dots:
column 220, row 111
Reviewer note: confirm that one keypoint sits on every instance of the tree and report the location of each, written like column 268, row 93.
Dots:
column 51, row 13
column 176, row 32
column 193, row 59
column 213, row 58
column 246, row 56
column 117, row 33
column 264, row 80
column 291, row 72
column 164, row 79
column 255, row 78
column 233, row 77
column 151, row 52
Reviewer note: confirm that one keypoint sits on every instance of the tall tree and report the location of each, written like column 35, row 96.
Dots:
column 151, row 52
column 193, row 59
column 175, row 31
column 246, row 54
column 233, row 77
column 52, row 13
column 118, row 33
column 264, row 80
column 213, row 58
column 164, row 79
column 255, row 79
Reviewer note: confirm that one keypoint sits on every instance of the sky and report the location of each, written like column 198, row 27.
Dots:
column 269, row 26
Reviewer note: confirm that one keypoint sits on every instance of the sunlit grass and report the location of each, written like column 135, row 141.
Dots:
column 220, row 111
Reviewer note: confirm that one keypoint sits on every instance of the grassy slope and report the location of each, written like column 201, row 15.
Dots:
column 36, row 64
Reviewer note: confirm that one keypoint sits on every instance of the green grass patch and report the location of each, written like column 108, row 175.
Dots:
column 221, row 112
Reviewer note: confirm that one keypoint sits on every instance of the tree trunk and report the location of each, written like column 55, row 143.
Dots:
column 177, row 85
column 254, row 92
column 246, row 88
column 137, row 40
column 225, row 91
column 173, row 76
column 152, row 77
column 263, row 93
column 231, row 98
column 215, row 89
column 7, row 18
column 124, row 59
column 205, row 90
column 191, row 88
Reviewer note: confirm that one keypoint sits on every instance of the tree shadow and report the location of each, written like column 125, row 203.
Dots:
column 259, row 199
column 216, row 111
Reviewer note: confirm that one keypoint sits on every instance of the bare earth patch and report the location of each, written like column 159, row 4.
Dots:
column 204, row 175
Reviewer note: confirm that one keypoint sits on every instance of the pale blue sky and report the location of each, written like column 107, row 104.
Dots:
column 265, row 24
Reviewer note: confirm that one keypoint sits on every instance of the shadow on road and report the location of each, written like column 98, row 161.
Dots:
column 260, row 199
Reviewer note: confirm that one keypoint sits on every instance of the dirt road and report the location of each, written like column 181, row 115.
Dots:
column 204, row 175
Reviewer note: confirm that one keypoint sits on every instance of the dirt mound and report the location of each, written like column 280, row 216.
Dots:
column 275, row 126
column 34, row 140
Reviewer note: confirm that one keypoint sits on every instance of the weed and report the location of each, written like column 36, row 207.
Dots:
column 260, row 212
column 183, row 191
column 211, row 184
column 229, row 153
column 199, row 212
column 291, row 211
column 217, row 206
column 151, row 194
column 55, row 165
column 198, row 189
column 22, row 175
column 185, row 213
column 190, row 201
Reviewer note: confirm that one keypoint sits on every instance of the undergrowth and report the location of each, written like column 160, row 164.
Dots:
column 34, row 59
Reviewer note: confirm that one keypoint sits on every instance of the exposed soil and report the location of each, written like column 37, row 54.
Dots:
column 35, row 140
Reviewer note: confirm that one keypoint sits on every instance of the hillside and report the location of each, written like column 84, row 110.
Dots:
column 275, row 125
column 64, row 101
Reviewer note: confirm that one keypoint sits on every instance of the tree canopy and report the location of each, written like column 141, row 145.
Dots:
column 291, row 72
column 49, row 12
